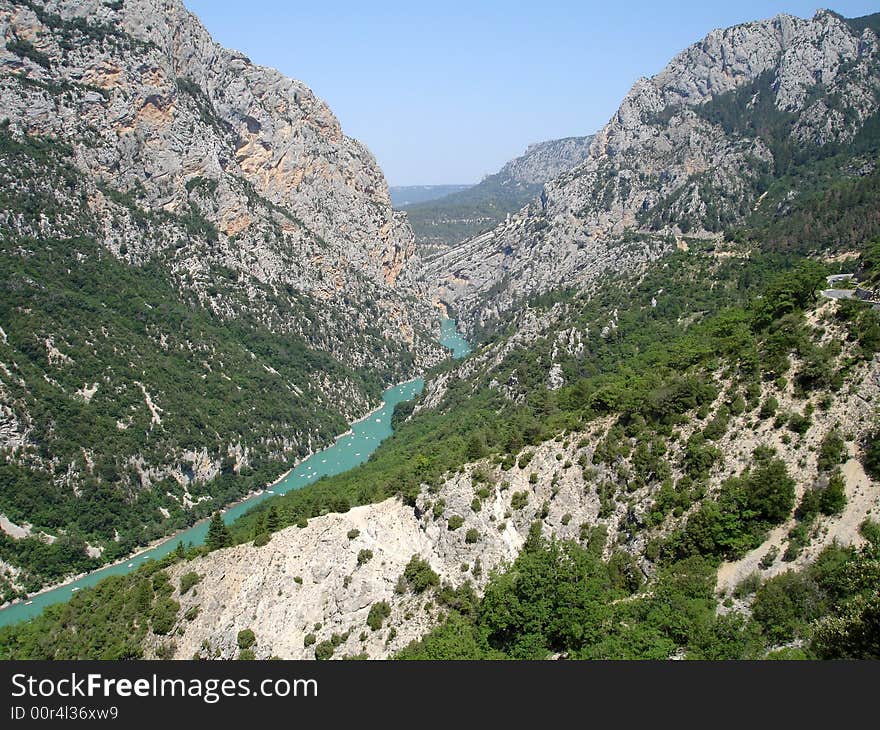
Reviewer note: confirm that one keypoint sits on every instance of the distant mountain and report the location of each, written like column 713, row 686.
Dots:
column 460, row 215
column 404, row 195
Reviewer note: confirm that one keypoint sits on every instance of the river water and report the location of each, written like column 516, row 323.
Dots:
column 348, row 451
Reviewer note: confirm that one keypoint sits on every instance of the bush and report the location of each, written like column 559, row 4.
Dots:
column 309, row 639
column 872, row 454
column 246, row 655
column 519, row 500
column 748, row 585
column 419, row 575
column 378, row 613
column 191, row 613
column 364, row 556
column 799, row 423
column 262, row 539
column 786, row 604
column 768, row 408
column 832, row 500
column 831, row 451
column 164, row 615
column 352, row 534
column 324, row 650
column 472, row 536
column 246, row 639
column 699, row 457
column 454, row 522
column 187, row 581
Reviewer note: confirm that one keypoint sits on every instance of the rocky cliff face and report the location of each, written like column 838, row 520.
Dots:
column 163, row 120
column 445, row 222
column 689, row 150
column 204, row 276
column 544, row 161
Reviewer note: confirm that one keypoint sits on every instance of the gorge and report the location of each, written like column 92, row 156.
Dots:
column 654, row 439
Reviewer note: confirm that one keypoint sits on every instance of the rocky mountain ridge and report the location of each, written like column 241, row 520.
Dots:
column 313, row 583
column 683, row 154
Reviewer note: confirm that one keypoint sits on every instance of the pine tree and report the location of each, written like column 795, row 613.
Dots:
column 218, row 534
column 273, row 521
column 259, row 525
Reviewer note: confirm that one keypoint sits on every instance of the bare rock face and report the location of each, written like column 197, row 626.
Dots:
column 664, row 166
column 165, row 122
column 319, row 581
column 543, row 161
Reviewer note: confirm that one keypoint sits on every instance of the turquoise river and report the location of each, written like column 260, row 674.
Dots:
column 348, row 451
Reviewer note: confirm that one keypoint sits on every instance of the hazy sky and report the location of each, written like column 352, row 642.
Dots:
column 446, row 92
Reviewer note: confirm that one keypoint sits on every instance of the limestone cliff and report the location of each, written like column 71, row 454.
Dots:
column 203, row 277
column 689, row 151
column 163, row 120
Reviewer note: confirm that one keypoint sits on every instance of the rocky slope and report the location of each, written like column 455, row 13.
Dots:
column 441, row 223
column 689, row 150
column 205, row 277
column 544, row 161
column 163, row 119
column 314, row 581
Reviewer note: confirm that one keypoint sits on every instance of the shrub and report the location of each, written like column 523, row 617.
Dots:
column 246, row 639
column 164, row 615
column 352, row 534
column 454, row 522
column 831, row 451
column 246, row 655
column 768, row 408
column 699, row 457
column 324, row 650
column 799, row 423
column 748, row 585
column 872, row 454
column 519, row 500
column 262, row 539
column 419, row 575
column 378, row 613
column 472, row 536
column 187, row 581
column 309, row 639
column 785, row 604
column 832, row 500
column 717, row 427
column 364, row 556
column 769, row 558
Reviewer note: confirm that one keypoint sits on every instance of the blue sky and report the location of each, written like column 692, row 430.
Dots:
column 447, row 92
